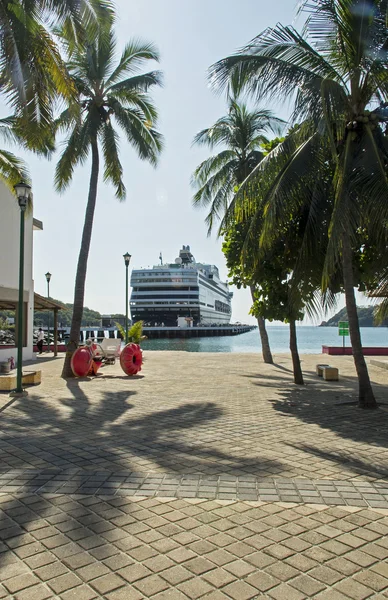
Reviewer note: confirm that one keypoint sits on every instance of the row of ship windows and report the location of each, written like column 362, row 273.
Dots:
column 222, row 307
column 168, row 289
column 139, row 296
column 165, row 279
column 175, row 302
column 218, row 306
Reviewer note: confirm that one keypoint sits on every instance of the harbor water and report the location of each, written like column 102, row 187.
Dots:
column 310, row 340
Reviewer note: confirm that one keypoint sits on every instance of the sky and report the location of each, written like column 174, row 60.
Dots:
column 157, row 215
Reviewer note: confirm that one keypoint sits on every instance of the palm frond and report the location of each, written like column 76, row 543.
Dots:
column 76, row 151
column 12, row 169
column 146, row 140
column 134, row 55
column 137, row 83
column 275, row 63
column 113, row 169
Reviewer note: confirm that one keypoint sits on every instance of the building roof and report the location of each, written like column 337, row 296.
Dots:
column 37, row 225
column 40, row 303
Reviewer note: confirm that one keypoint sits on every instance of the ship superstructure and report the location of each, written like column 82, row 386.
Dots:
column 167, row 293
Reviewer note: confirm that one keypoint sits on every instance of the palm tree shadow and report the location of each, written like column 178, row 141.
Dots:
column 112, row 439
column 333, row 407
column 282, row 367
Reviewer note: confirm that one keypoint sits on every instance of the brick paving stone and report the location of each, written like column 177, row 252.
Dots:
column 64, row 582
column 219, row 577
column 126, row 593
column 307, row 585
column 118, row 561
column 82, row 592
column 173, row 594
column 372, row 580
column 194, row 588
column 134, row 572
column 353, row 589
column 262, row 581
column 16, row 584
column 151, row 585
column 92, row 571
column 286, row 591
column 176, row 574
column 52, row 570
column 240, row 590
column 37, row 592
column 107, row 583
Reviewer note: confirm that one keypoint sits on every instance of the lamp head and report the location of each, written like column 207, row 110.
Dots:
column 23, row 191
column 127, row 259
column 48, row 276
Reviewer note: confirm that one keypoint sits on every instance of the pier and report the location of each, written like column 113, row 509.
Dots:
column 153, row 333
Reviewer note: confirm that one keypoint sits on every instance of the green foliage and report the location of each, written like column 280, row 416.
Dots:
column 33, row 72
column 366, row 317
column 4, row 325
column 109, row 92
column 90, row 317
column 339, row 151
column 241, row 134
column 135, row 333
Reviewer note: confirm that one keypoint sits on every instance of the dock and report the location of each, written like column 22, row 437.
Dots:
column 153, row 333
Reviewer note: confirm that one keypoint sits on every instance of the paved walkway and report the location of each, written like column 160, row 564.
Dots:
column 212, row 476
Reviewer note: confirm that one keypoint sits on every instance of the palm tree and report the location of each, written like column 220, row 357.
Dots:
column 32, row 71
column 241, row 134
column 336, row 71
column 12, row 168
column 105, row 94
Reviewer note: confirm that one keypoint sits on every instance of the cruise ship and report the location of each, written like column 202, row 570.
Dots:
column 169, row 294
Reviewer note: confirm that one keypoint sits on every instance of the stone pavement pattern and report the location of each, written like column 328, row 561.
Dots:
column 206, row 414
column 123, row 548
column 88, row 471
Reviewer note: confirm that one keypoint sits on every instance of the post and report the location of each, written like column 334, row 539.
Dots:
column 48, row 277
column 55, row 331
column 127, row 260
column 19, row 372
column 23, row 193
column 48, row 318
column 126, row 304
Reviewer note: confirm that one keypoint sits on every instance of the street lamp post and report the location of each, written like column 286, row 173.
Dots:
column 48, row 277
column 23, row 193
column 127, row 260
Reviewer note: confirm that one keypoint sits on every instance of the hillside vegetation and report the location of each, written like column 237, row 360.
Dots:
column 365, row 316
column 90, row 317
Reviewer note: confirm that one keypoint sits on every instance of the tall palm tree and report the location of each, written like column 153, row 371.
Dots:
column 336, row 71
column 32, row 71
column 108, row 92
column 241, row 134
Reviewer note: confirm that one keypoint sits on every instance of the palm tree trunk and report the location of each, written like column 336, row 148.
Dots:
column 298, row 376
column 265, row 347
column 79, row 289
column 366, row 396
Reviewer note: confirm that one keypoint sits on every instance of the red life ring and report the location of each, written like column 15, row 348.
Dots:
column 81, row 362
column 131, row 359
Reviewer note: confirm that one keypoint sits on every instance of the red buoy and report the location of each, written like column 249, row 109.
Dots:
column 81, row 362
column 131, row 359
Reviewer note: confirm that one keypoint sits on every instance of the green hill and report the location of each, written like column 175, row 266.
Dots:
column 365, row 316
column 90, row 317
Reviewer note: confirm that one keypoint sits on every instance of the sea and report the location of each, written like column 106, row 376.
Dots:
column 310, row 340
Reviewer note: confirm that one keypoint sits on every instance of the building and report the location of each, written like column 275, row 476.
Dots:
column 9, row 269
